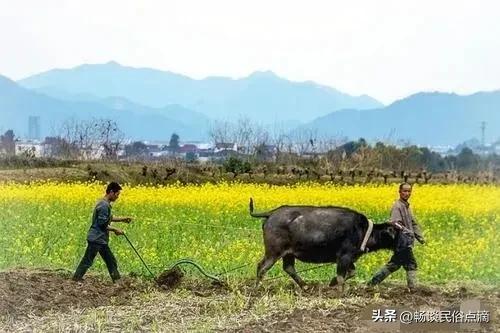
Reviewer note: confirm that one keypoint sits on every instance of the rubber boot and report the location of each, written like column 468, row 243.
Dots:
column 379, row 276
column 411, row 279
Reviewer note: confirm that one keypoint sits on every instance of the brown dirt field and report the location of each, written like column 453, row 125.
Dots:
column 25, row 291
column 44, row 300
column 356, row 317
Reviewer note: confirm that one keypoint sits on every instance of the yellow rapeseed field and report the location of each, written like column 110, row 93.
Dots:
column 45, row 224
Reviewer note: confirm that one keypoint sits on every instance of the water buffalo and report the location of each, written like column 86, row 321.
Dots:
column 318, row 234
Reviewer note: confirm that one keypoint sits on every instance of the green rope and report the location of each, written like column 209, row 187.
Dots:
column 193, row 263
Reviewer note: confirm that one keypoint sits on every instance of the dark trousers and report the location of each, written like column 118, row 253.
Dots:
column 88, row 259
column 402, row 257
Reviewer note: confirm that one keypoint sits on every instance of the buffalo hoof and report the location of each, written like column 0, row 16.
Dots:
column 411, row 290
column 306, row 288
column 339, row 292
column 369, row 287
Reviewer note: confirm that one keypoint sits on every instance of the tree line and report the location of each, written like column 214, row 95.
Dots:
column 79, row 139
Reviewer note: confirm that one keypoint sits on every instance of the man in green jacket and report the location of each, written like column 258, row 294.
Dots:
column 98, row 234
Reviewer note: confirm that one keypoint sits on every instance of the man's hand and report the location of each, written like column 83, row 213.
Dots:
column 398, row 225
column 420, row 239
column 118, row 232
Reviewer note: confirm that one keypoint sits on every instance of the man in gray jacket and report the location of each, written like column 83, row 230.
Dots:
column 408, row 230
column 98, row 235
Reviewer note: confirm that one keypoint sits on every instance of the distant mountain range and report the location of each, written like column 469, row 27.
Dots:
column 262, row 96
column 136, row 121
column 423, row 118
column 150, row 105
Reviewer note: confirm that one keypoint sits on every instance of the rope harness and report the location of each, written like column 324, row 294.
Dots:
column 367, row 235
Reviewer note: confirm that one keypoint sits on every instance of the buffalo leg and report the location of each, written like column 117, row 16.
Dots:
column 289, row 268
column 264, row 265
column 343, row 265
column 350, row 273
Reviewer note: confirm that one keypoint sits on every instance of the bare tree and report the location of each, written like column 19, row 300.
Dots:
column 242, row 134
column 220, row 131
column 86, row 138
column 77, row 137
column 260, row 142
column 279, row 138
column 325, row 143
column 109, row 137
column 261, row 136
column 305, row 140
column 7, row 142
column 56, row 146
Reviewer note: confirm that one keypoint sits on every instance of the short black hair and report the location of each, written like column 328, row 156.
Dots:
column 403, row 184
column 113, row 187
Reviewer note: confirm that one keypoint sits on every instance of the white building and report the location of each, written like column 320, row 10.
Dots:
column 30, row 147
column 225, row 146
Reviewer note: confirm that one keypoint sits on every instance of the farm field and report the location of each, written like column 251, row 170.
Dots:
column 43, row 227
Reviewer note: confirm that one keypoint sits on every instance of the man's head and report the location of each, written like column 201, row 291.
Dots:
column 113, row 191
column 404, row 191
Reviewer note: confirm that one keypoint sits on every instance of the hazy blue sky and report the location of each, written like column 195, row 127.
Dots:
column 386, row 49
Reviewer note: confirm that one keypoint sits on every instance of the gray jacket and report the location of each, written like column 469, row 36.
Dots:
column 401, row 213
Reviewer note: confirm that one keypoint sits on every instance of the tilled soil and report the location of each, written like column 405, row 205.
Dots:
column 24, row 291
column 357, row 316
column 34, row 297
